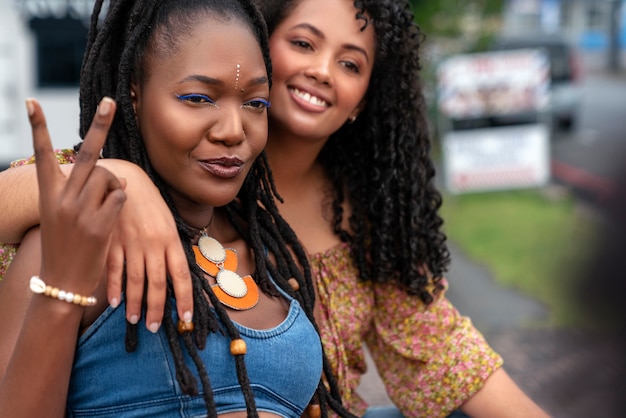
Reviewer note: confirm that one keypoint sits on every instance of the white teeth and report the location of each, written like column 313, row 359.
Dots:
column 311, row 99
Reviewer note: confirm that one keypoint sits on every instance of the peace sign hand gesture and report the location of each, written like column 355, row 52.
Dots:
column 78, row 213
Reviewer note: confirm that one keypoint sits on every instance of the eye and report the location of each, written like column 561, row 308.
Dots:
column 195, row 98
column 257, row 104
column 301, row 44
column 351, row 66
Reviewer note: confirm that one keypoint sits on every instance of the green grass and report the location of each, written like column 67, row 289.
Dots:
column 529, row 241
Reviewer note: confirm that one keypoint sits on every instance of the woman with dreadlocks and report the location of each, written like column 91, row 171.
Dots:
column 349, row 150
column 191, row 82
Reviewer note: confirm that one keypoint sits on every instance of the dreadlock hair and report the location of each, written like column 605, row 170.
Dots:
column 381, row 163
column 116, row 50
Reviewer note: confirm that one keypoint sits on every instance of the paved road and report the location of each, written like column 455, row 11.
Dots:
column 568, row 372
column 589, row 156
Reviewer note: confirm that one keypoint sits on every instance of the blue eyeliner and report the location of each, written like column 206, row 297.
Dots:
column 195, row 98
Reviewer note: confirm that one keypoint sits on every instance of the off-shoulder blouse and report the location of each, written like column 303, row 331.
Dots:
column 430, row 358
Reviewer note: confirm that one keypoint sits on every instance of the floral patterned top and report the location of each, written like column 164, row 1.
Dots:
column 7, row 251
column 430, row 358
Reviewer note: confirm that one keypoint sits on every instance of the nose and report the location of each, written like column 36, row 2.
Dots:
column 228, row 129
column 320, row 69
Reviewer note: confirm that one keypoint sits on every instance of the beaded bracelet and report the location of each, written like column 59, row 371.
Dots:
column 39, row 287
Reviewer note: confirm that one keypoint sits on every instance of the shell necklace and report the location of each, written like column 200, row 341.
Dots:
column 232, row 290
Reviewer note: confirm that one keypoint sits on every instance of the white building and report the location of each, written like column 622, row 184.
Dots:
column 585, row 23
column 41, row 46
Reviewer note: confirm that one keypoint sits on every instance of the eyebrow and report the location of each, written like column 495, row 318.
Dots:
column 215, row 82
column 320, row 34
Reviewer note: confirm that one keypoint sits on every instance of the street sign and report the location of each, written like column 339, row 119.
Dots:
column 494, row 83
column 502, row 95
column 499, row 158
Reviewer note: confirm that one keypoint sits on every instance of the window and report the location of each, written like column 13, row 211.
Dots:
column 596, row 16
column 59, row 51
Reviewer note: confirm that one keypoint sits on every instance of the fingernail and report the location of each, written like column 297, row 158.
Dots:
column 187, row 317
column 105, row 106
column 154, row 327
column 114, row 302
column 133, row 319
column 30, row 107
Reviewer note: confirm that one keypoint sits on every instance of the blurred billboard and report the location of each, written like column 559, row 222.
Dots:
column 491, row 106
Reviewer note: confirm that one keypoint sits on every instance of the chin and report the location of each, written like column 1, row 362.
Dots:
column 306, row 129
column 222, row 199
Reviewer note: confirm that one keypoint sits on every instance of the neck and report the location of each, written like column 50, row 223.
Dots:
column 217, row 227
column 293, row 160
column 194, row 215
column 198, row 221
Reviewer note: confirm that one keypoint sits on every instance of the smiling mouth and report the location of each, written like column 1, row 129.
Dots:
column 307, row 97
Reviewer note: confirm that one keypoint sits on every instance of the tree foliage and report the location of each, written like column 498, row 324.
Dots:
column 468, row 21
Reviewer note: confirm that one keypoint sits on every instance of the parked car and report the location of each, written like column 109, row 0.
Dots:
column 565, row 69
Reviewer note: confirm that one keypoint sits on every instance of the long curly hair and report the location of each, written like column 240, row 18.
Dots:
column 381, row 163
column 115, row 55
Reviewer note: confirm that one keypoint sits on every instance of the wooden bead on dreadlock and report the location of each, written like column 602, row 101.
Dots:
column 294, row 284
column 238, row 347
column 314, row 410
column 184, row 326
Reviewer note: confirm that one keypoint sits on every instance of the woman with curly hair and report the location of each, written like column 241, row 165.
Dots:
column 349, row 150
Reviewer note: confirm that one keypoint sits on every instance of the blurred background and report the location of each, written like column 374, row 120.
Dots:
column 528, row 111
column 527, row 103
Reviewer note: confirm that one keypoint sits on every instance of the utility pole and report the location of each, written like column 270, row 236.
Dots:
column 614, row 35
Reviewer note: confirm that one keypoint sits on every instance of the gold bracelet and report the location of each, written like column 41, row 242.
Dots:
column 39, row 287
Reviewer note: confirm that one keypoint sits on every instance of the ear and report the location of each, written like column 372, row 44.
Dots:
column 357, row 110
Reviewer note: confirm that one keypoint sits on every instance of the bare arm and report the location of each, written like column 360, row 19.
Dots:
column 39, row 336
column 145, row 239
column 78, row 215
column 20, row 203
column 500, row 397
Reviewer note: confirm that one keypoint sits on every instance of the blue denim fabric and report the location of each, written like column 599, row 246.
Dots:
column 284, row 365
column 383, row 412
column 393, row 412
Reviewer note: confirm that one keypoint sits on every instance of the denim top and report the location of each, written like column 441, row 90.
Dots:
column 284, row 365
